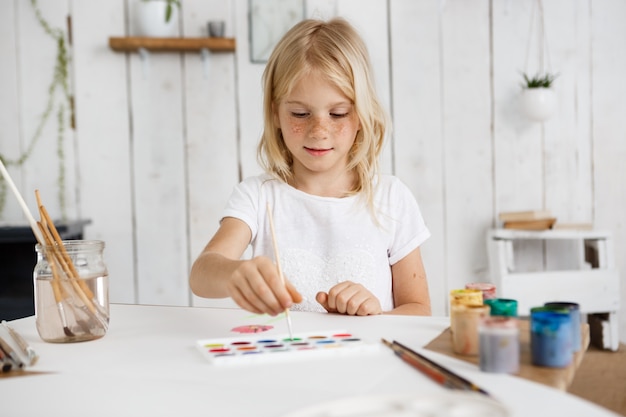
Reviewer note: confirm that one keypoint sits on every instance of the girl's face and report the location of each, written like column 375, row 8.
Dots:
column 319, row 125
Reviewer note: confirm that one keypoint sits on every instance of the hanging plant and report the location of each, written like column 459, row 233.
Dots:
column 59, row 86
column 538, row 97
column 539, row 81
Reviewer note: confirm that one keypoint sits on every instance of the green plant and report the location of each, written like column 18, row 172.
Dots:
column 60, row 81
column 539, row 81
column 169, row 9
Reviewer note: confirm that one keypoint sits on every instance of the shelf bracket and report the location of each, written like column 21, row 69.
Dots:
column 206, row 61
column 144, row 55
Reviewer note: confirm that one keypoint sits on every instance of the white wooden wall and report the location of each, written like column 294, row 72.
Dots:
column 159, row 146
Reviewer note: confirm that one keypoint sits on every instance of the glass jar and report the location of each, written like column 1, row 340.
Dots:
column 71, row 291
column 465, row 319
column 499, row 345
column 464, row 296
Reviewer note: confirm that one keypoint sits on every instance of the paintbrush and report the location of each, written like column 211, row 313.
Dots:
column 20, row 200
column 433, row 370
column 56, row 284
column 90, row 304
column 280, row 270
column 38, row 236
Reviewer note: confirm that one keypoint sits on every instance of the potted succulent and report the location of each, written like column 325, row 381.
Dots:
column 157, row 18
column 538, row 97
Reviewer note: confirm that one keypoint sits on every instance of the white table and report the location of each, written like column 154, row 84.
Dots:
column 148, row 365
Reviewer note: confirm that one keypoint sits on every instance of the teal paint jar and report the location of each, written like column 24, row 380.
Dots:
column 502, row 307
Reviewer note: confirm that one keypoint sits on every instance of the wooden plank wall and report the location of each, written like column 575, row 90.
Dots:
column 159, row 144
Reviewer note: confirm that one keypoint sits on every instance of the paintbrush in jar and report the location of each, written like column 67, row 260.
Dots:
column 56, row 283
column 54, row 242
column 38, row 236
column 280, row 270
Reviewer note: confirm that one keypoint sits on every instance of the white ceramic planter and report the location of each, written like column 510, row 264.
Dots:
column 538, row 103
column 150, row 19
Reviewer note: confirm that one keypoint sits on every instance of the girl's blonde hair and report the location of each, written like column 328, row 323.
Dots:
column 335, row 50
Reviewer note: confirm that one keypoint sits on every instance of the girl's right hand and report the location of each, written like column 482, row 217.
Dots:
column 256, row 286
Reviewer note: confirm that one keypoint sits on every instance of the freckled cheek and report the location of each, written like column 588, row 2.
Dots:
column 340, row 129
column 343, row 129
column 297, row 128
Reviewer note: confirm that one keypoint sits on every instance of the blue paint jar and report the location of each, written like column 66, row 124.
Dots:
column 574, row 312
column 550, row 337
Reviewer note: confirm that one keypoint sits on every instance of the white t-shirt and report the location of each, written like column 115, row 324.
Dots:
column 323, row 241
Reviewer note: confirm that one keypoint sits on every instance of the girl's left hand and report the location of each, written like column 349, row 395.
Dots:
column 349, row 298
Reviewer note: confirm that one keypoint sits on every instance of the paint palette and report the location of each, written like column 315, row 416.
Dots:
column 279, row 348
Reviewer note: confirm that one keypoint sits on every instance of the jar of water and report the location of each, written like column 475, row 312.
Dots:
column 71, row 291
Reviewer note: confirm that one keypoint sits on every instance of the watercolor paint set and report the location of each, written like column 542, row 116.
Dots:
column 281, row 348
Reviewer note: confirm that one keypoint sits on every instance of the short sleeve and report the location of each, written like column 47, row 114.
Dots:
column 243, row 203
column 410, row 229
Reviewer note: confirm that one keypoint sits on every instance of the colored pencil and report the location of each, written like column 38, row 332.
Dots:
column 433, row 370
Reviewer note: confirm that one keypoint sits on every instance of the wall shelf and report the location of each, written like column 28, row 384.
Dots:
column 133, row 44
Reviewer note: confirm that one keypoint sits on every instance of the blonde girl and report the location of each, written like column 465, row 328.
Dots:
column 349, row 237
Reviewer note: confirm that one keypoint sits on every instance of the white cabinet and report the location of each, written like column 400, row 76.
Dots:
column 590, row 279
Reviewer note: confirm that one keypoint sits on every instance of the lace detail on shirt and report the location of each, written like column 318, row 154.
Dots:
column 310, row 273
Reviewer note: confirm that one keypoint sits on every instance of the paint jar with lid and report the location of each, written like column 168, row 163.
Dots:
column 465, row 297
column 574, row 312
column 71, row 291
column 550, row 337
column 499, row 345
column 502, row 307
column 488, row 289
column 465, row 321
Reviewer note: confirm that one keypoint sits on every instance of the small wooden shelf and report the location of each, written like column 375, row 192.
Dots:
column 132, row 44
